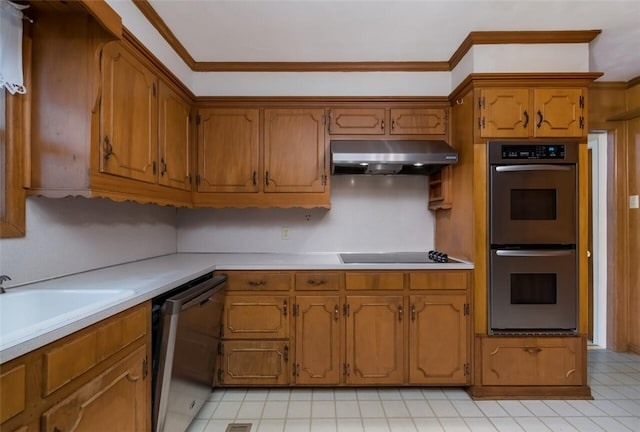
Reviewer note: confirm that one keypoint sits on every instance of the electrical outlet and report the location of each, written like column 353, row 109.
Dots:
column 634, row 202
column 284, row 233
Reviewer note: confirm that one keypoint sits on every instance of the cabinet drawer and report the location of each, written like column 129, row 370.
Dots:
column 77, row 355
column 374, row 281
column 324, row 281
column 532, row 361
column 12, row 392
column 265, row 281
column 434, row 279
column 254, row 363
column 256, row 317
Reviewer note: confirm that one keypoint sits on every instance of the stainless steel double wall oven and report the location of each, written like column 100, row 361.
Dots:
column 533, row 236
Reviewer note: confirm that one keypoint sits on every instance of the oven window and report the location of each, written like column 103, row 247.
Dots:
column 533, row 288
column 533, row 204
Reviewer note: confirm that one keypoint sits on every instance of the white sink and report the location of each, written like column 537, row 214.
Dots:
column 28, row 311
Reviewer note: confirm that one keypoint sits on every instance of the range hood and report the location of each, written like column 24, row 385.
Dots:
column 419, row 157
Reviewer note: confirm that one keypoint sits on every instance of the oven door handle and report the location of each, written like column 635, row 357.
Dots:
column 533, row 253
column 532, row 167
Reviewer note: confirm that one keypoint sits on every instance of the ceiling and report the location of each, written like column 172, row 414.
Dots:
column 391, row 30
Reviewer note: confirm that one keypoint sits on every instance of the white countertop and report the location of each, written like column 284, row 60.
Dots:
column 149, row 278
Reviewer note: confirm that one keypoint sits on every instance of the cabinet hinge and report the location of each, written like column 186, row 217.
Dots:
column 581, row 102
column 198, row 119
column 296, row 369
column 481, row 102
column 324, row 180
column 221, row 330
column 220, row 349
column 220, row 375
column 467, row 369
column 480, row 122
column 145, row 367
column 581, row 122
column 446, row 120
column 466, row 308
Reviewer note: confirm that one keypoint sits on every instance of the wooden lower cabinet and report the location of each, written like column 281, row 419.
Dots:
column 317, row 336
column 438, row 339
column 97, row 379
column 114, row 401
column 531, row 367
column 531, row 361
column 374, row 340
column 257, row 363
column 249, row 317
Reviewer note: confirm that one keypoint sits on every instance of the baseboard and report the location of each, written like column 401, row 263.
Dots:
column 530, row 392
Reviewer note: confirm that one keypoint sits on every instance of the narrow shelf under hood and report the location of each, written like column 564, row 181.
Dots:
column 421, row 157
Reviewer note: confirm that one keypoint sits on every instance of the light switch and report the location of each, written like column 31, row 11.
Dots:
column 634, row 202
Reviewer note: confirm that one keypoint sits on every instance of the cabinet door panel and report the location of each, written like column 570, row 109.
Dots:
column 438, row 340
column 228, row 150
column 531, row 361
column 128, row 116
column 558, row 113
column 254, row 363
column 419, row 121
column 294, row 150
column 247, row 317
column 13, row 385
column 114, row 401
column 505, row 113
column 374, row 344
column 175, row 139
column 317, row 340
column 357, row 121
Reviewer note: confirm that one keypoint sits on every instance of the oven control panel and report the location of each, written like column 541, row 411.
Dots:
column 533, row 151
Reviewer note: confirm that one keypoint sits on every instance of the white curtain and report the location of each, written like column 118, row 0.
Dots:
column 11, row 47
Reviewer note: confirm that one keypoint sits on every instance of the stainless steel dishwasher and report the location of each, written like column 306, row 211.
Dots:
column 186, row 334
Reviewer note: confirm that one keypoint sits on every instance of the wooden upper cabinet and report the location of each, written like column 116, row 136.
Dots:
column 357, row 121
column 524, row 112
column 419, row 121
column 294, row 150
column 128, row 117
column 559, row 112
column 174, row 139
column 228, row 150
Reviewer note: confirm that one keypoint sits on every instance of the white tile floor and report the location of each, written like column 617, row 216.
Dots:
column 614, row 379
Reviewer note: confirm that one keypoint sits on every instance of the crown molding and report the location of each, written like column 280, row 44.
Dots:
column 474, row 38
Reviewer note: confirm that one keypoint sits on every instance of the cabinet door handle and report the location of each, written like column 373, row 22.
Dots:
column 532, row 350
column 255, row 178
column 393, row 124
column 382, row 125
column 316, row 282
column 163, row 167
column 107, row 147
column 413, row 312
column 526, row 119
column 329, row 121
column 540, row 119
column 400, row 313
column 336, row 312
column 284, row 307
column 266, row 178
column 286, row 353
column 257, row 283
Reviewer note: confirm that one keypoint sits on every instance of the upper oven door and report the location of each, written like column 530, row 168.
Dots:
column 533, row 203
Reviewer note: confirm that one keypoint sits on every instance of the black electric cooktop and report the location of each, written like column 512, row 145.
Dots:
column 395, row 258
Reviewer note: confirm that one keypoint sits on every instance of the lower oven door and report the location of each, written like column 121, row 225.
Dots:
column 533, row 291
